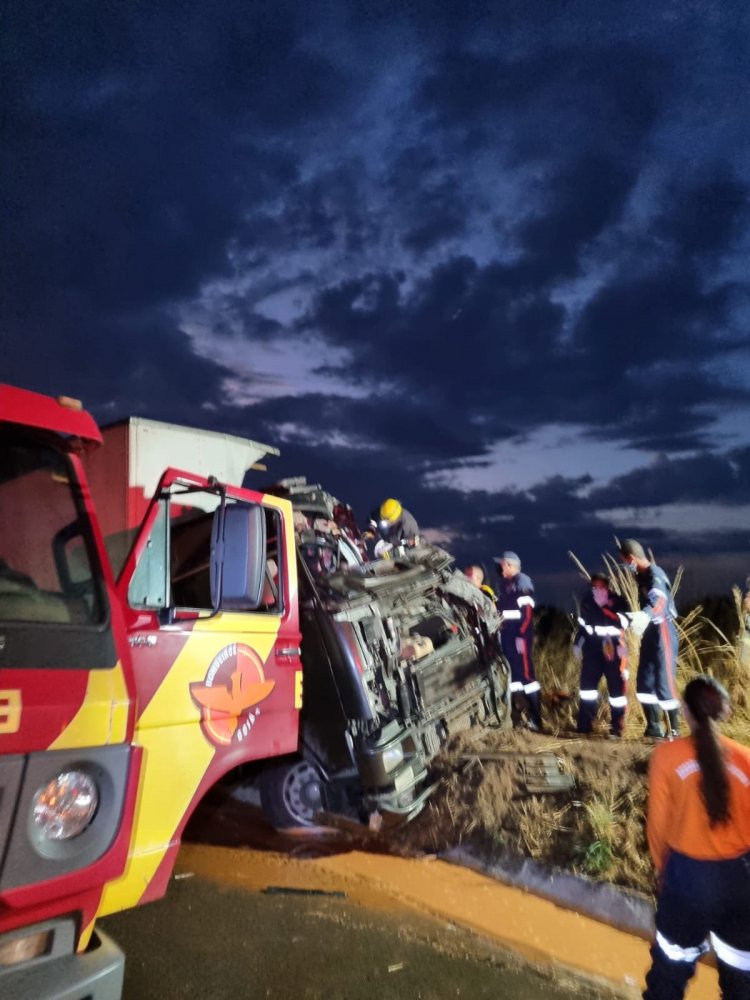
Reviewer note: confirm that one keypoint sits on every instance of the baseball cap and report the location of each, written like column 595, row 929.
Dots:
column 507, row 557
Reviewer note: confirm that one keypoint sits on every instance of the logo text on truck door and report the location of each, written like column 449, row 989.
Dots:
column 228, row 697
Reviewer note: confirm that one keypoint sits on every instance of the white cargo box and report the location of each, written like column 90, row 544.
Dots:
column 124, row 473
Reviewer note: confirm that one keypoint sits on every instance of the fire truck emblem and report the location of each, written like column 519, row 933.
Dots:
column 229, row 696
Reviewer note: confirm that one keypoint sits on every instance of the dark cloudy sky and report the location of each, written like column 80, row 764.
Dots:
column 489, row 258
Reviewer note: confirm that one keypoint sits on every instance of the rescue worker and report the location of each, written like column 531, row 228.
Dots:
column 396, row 525
column 515, row 599
column 371, row 535
column 476, row 575
column 655, row 623
column 699, row 839
column 600, row 648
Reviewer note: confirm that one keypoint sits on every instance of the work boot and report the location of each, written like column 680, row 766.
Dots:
column 586, row 715
column 673, row 714
column 654, row 728
column 617, row 724
column 533, row 701
column 518, row 705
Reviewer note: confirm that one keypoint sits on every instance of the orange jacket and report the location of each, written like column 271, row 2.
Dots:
column 677, row 816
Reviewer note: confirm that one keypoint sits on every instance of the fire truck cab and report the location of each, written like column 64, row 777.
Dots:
column 125, row 694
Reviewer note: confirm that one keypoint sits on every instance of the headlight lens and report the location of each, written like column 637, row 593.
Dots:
column 392, row 757
column 65, row 807
column 23, row 949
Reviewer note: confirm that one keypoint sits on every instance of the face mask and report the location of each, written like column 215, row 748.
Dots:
column 601, row 596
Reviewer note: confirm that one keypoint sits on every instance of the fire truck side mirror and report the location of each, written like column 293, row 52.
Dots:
column 238, row 557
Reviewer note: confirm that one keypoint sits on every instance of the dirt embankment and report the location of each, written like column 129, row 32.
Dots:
column 595, row 828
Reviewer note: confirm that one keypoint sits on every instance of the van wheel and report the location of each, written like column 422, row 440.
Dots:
column 291, row 794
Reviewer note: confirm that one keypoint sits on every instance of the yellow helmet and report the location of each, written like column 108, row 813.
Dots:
column 390, row 510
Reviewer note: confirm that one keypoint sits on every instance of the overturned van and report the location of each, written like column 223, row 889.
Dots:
column 398, row 655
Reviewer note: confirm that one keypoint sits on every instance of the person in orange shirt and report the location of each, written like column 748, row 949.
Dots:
column 699, row 838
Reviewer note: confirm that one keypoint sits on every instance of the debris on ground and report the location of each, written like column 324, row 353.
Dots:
column 592, row 824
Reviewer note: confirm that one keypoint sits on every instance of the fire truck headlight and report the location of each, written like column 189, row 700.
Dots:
column 64, row 807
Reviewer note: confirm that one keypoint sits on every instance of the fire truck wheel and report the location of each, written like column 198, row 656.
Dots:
column 291, row 794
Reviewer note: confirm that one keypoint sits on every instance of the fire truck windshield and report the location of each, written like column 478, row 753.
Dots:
column 45, row 548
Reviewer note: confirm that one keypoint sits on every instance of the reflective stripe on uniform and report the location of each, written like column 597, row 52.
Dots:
column 678, row 954
column 646, row 699
column 739, row 775
column 598, row 629
column 669, row 704
column 589, row 695
column 531, row 688
column 526, row 600
column 730, row 956
column 516, row 685
column 511, row 615
column 620, row 702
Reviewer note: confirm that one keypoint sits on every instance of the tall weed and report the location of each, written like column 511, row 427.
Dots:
column 704, row 648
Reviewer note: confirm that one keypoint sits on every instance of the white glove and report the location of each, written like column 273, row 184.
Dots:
column 622, row 650
column 520, row 645
column 639, row 622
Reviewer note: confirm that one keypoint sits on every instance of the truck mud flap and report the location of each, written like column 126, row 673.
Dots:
column 96, row 974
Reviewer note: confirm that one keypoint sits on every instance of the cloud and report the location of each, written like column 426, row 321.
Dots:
column 405, row 244
column 393, row 425
column 468, row 336
column 695, row 479
column 706, row 219
column 145, row 368
column 580, row 201
column 553, row 100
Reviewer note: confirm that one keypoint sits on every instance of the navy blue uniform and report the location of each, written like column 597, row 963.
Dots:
column 657, row 663
column 701, row 901
column 515, row 598
column 603, row 654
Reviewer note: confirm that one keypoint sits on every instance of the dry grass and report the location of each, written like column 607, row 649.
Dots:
column 599, row 828
column 609, row 823
column 703, row 649
column 539, row 826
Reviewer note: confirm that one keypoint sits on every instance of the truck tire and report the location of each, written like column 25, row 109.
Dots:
column 291, row 794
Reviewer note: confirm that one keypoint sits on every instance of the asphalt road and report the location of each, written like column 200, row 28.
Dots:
column 249, row 914
column 216, row 941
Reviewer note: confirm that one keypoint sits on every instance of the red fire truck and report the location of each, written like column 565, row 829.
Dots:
column 125, row 693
